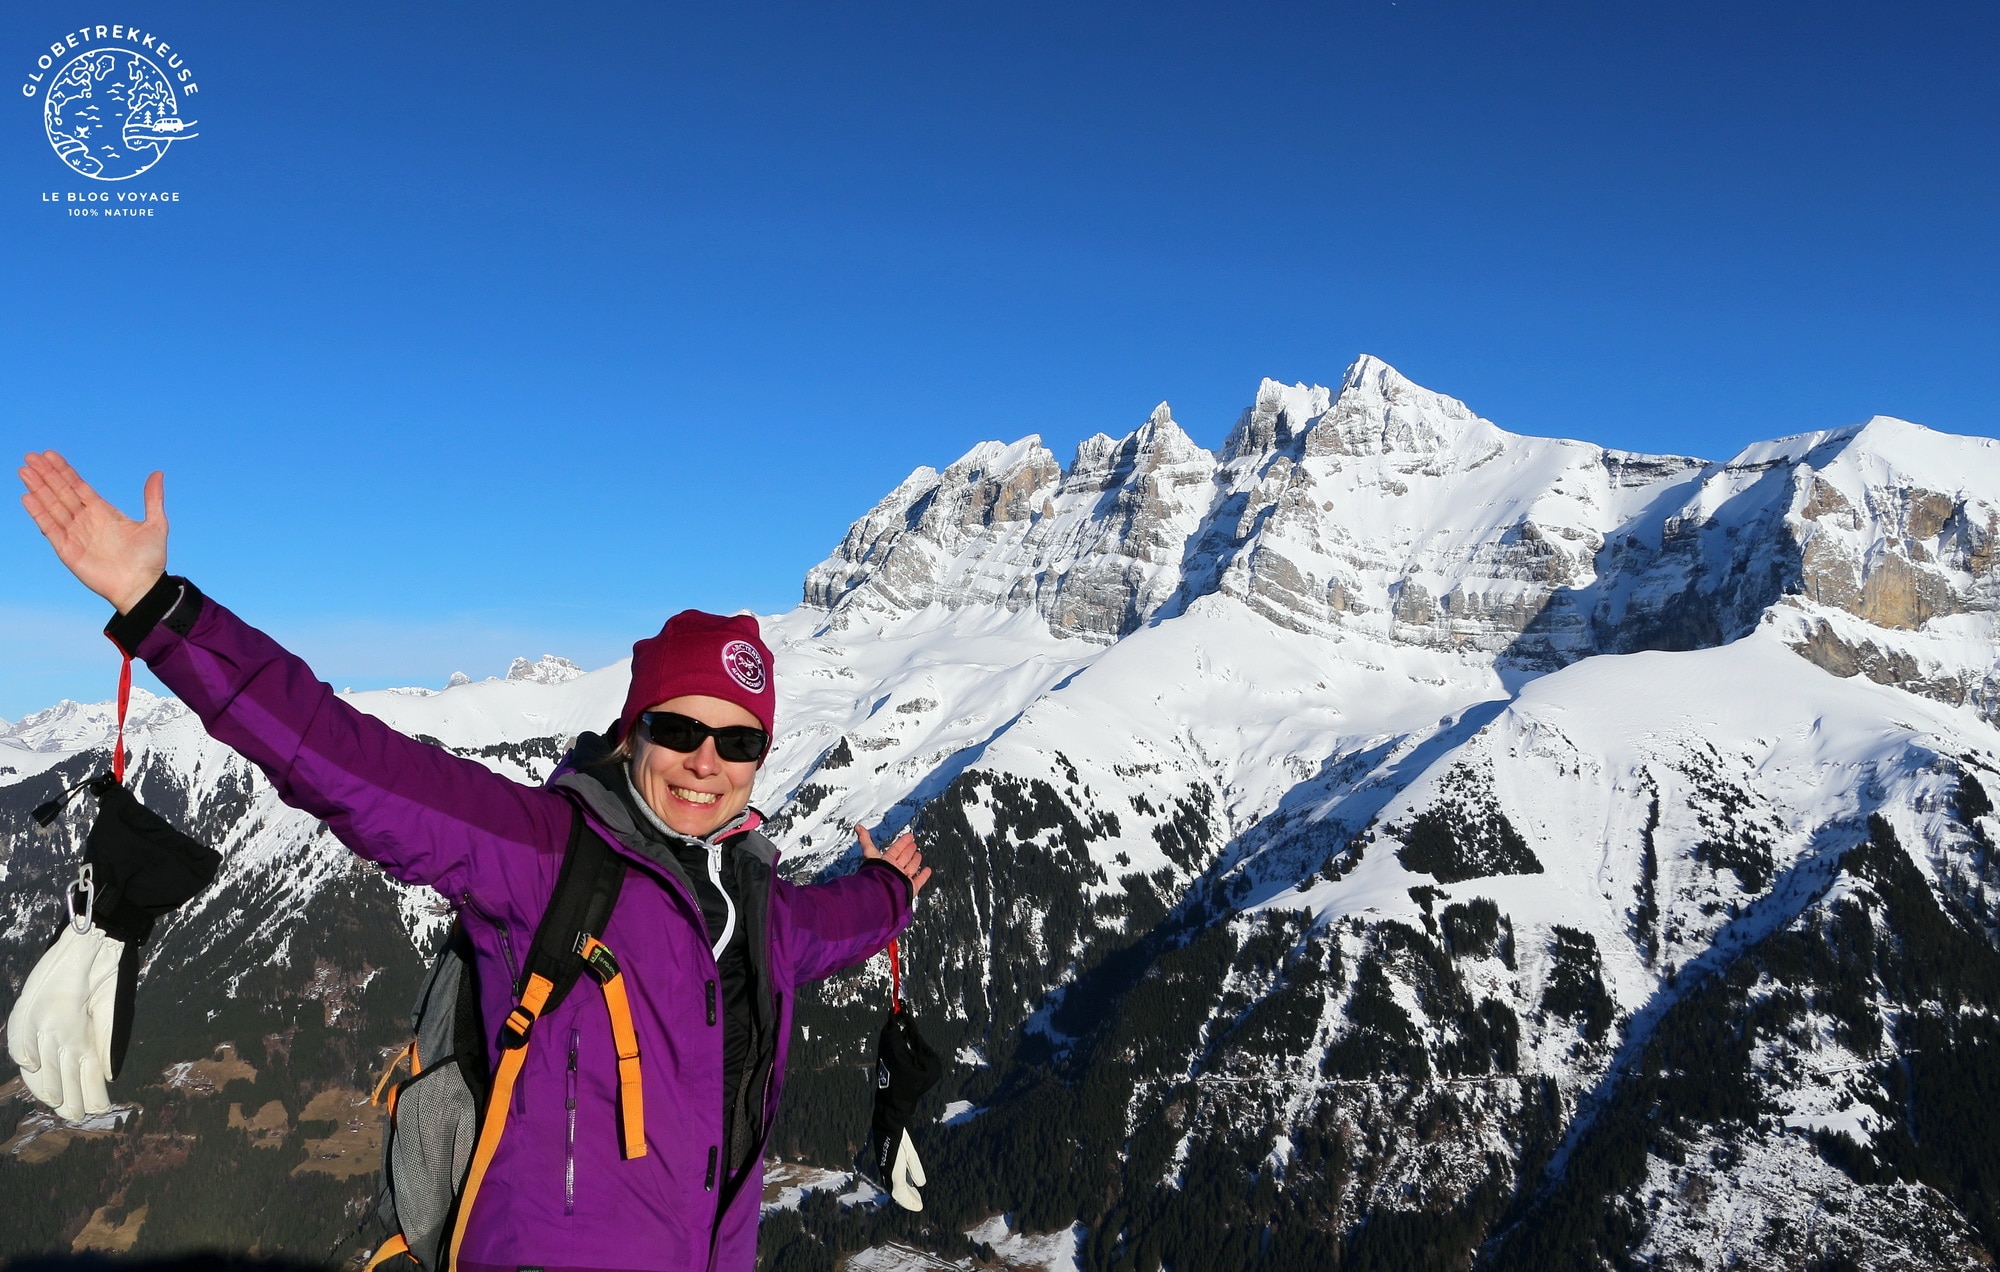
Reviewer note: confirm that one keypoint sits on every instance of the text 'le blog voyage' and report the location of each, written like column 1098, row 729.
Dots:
column 111, row 202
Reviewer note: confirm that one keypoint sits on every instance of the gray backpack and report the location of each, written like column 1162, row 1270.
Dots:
column 437, row 1114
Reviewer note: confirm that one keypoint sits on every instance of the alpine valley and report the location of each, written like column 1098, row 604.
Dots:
column 1388, row 842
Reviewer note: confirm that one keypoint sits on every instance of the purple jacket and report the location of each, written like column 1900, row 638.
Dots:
column 552, row 1199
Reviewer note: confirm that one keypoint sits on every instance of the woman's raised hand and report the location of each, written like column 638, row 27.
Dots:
column 114, row 556
column 902, row 854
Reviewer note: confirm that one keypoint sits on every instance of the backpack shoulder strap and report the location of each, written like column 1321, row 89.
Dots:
column 586, row 890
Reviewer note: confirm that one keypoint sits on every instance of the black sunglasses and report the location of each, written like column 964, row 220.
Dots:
column 738, row 742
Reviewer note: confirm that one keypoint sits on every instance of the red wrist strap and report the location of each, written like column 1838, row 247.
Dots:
column 895, row 977
column 124, row 702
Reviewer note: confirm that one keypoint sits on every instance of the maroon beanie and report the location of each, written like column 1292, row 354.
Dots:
column 702, row 653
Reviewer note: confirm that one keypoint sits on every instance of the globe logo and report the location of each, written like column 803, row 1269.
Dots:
column 111, row 114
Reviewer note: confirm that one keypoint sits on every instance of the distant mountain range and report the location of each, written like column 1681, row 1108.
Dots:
column 1385, row 842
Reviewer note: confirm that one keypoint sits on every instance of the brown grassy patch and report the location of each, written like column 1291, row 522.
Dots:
column 205, row 1077
column 104, row 1234
column 266, row 1128
column 355, row 1147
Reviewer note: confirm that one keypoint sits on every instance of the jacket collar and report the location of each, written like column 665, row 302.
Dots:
column 607, row 794
column 748, row 819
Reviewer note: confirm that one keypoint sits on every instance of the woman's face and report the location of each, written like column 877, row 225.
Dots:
column 695, row 792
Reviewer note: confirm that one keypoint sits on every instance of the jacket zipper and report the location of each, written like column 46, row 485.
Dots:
column 771, row 1069
column 520, row 1103
column 728, row 906
column 500, row 927
column 732, row 1105
column 569, row 1101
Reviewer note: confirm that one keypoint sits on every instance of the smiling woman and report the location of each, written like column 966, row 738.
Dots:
column 710, row 943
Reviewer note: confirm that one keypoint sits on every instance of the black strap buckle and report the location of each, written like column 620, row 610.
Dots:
column 515, row 1029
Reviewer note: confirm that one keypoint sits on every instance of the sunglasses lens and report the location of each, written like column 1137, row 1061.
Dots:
column 680, row 733
column 675, row 732
column 740, row 743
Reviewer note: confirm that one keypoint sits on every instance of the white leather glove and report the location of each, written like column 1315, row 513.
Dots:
column 60, row 1030
column 906, row 1175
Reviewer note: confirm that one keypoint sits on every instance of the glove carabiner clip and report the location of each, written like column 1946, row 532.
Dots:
column 88, row 886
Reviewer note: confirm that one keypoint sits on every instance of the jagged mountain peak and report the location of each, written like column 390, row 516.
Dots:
column 1379, row 410
column 1095, row 548
column 1299, row 402
column 1102, row 458
column 993, row 459
column 547, row 670
column 1376, row 411
column 1273, row 423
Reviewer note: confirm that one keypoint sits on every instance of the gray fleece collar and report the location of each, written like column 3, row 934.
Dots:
column 615, row 809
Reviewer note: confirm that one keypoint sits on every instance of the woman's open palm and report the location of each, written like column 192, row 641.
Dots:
column 114, row 556
column 902, row 854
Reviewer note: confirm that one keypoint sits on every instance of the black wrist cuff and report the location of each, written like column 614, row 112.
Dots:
column 124, row 921
column 173, row 601
column 909, row 888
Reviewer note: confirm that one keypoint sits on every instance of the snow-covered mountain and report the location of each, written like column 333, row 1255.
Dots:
column 1383, row 839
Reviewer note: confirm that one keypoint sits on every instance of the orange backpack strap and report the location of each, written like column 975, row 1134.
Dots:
column 586, row 891
column 408, row 1052
column 603, row 965
column 388, row 1250
column 514, row 1041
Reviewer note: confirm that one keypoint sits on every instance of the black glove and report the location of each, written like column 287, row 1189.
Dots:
column 905, row 1068
column 140, row 867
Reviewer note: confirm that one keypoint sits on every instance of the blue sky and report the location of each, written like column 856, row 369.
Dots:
column 502, row 329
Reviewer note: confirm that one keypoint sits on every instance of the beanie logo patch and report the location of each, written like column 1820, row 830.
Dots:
column 744, row 665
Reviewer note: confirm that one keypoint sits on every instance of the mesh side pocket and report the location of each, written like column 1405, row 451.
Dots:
column 431, row 1146
column 434, row 1016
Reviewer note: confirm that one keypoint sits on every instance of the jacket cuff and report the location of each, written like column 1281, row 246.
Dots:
column 909, row 889
column 173, row 601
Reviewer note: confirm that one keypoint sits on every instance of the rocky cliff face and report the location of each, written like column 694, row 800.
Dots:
column 1386, row 841
column 1895, row 528
column 1096, row 550
column 1394, row 512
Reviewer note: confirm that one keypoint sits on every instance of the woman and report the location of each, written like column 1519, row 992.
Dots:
column 712, row 941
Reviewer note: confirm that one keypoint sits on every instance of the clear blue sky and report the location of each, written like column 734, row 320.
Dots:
column 495, row 329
